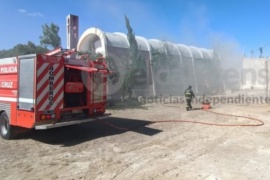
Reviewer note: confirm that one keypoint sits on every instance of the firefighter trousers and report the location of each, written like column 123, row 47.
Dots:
column 189, row 103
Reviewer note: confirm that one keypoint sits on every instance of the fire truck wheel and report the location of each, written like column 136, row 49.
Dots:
column 6, row 130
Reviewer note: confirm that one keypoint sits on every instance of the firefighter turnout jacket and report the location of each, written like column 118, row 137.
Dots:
column 189, row 94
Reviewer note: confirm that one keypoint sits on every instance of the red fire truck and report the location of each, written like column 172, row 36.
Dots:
column 44, row 91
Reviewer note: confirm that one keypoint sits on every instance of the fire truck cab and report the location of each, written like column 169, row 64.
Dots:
column 45, row 91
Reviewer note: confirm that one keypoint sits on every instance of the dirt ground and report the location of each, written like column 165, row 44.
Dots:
column 155, row 151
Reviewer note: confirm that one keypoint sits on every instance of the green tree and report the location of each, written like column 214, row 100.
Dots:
column 50, row 36
column 134, row 63
column 22, row 49
column 163, row 58
column 134, row 50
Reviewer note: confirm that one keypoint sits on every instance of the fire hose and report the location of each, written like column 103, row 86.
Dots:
column 259, row 122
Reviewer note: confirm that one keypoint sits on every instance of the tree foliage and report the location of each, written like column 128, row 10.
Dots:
column 163, row 58
column 133, row 64
column 134, row 50
column 22, row 49
column 166, row 66
column 50, row 36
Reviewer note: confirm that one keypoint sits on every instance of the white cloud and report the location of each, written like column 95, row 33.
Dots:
column 22, row 10
column 35, row 14
column 32, row 14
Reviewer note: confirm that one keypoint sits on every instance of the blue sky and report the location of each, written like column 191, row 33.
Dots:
column 240, row 24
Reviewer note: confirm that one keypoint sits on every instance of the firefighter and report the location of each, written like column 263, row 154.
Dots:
column 189, row 95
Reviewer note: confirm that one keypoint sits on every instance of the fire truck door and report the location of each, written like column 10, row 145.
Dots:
column 26, row 82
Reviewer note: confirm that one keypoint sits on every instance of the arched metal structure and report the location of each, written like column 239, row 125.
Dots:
column 116, row 46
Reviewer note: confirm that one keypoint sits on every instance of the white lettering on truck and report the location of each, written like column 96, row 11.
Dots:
column 51, row 83
column 7, row 84
column 11, row 69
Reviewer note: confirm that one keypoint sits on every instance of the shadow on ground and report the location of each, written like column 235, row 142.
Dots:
column 76, row 134
column 126, row 104
column 195, row 109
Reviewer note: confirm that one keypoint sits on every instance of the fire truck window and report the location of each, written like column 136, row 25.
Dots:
column 26, row 83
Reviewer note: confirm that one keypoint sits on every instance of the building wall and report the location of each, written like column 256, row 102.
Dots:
column 255, row 73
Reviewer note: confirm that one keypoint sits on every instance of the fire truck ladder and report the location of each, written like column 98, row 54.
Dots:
column 61, row 52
